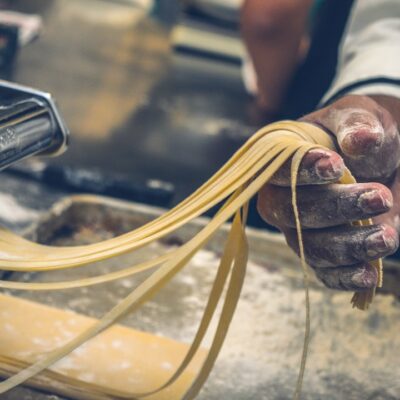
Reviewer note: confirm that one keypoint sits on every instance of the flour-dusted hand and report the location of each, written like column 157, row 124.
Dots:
column 369, row 145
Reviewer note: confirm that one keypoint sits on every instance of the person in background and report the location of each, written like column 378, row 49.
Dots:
column 277, row 38
column 361, row 109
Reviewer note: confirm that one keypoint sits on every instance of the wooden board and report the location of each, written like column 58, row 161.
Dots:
column 120, row 358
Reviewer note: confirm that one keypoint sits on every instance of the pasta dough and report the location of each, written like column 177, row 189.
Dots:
column 122, row 359
column 236, row 183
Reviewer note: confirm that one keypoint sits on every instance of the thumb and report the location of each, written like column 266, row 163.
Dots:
column 359, row 132
column 366, row 134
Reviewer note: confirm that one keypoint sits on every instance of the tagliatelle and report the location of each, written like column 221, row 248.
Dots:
column 236, row 182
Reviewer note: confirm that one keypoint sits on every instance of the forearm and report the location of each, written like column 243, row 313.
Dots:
column 272, row 31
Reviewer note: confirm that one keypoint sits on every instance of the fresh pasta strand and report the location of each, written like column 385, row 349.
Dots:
column 251, row 167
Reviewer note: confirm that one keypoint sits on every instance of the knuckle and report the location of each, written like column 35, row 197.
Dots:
column 383, row 190
column 265, row 208
column 274, row 206
column 359, row 132
column 360, row 277
column 361, row 121
column 348, row 112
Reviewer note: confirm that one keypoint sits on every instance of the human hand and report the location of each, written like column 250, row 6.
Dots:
column 369, row 145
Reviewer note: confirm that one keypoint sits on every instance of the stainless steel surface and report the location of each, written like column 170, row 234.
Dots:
column 24, row 103
column 353, row 355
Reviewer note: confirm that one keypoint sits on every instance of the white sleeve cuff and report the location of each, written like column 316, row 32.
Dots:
column 369, row 58
column 376, row 71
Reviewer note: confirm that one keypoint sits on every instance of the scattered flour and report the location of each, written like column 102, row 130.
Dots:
column 11, row 210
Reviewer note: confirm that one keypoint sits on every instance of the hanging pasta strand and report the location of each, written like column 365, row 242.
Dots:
column 251, row 167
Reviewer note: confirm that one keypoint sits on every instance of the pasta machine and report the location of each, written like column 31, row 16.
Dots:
column 30, row 124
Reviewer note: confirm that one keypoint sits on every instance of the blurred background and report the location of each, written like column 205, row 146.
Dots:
column 152, row 91
column 158, row 94
column 154, row 94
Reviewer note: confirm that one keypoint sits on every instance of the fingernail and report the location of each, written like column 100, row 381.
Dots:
column 380, row 242
column 361, row 143
column 329, row 167
column 365, row 277
column 360, row 135
column 372, row 202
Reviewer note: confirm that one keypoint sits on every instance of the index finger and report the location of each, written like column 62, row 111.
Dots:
column 319, row 166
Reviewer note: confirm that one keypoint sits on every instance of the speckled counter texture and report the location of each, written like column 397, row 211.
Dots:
column 353, row 355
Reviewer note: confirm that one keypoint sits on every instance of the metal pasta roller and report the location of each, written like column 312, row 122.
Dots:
column 30, row 124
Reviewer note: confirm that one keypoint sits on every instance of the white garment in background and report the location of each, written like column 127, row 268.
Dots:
column 369, row 54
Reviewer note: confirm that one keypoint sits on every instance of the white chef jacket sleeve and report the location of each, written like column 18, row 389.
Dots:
column 369, row 55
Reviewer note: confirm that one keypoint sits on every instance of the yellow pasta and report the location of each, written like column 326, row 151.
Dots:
column 236, row 183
